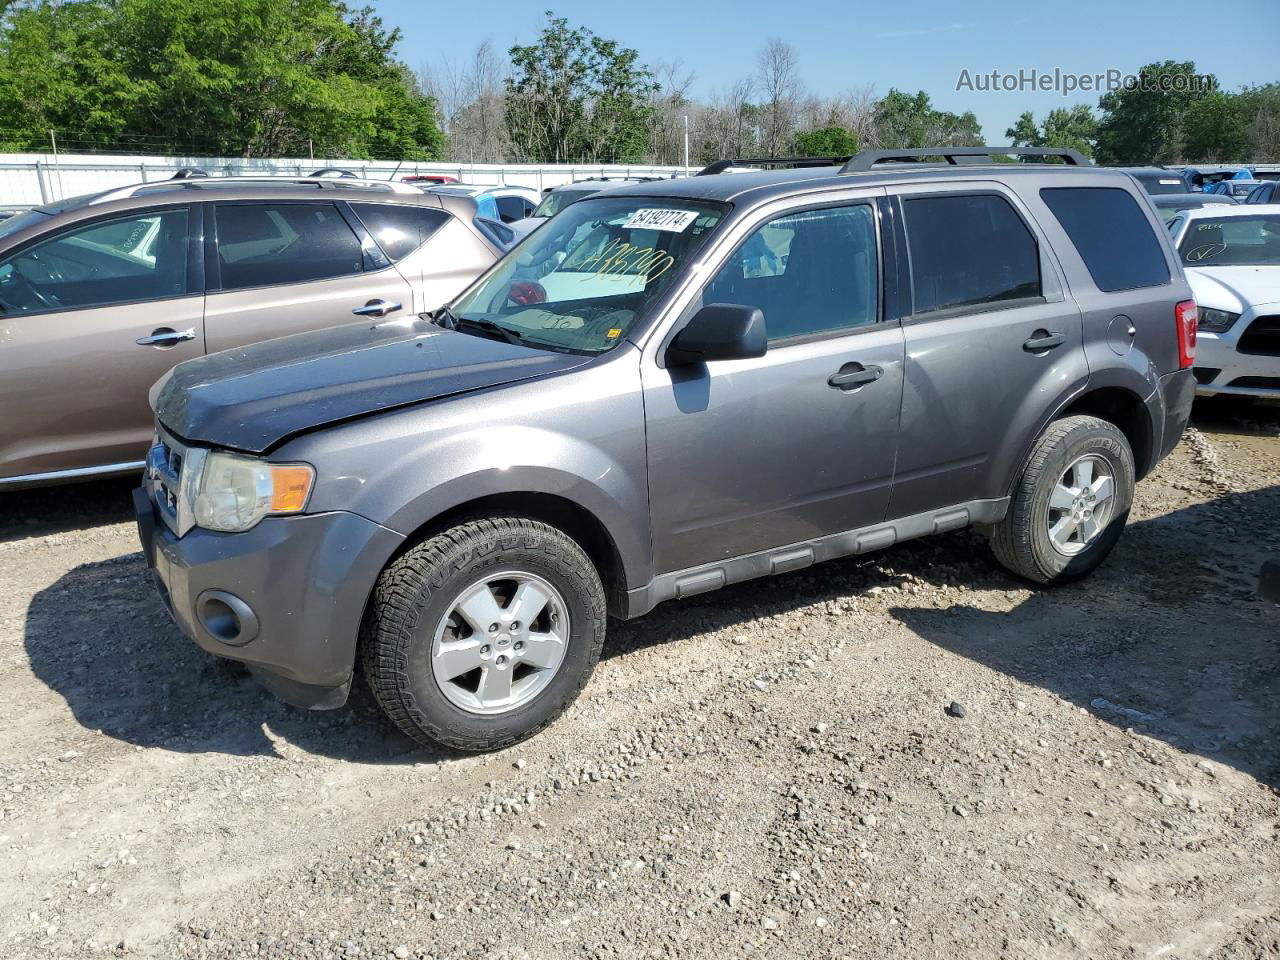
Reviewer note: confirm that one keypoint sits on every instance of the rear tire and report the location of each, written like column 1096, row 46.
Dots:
column 1058, row 527
column 445, row 676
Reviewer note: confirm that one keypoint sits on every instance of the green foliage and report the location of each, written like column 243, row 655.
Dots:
column 1068, row 127
column 573, row 96
column 1216, row 128
column 906, row 120
column 1145, row 123
column 826, row 142
column 252, row 77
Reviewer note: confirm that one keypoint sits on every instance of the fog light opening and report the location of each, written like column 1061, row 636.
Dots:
column 226, row 617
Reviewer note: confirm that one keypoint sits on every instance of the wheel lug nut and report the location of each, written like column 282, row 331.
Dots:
column 493, row 628
column 519, row 644
column 502, row 659
column 515, row 626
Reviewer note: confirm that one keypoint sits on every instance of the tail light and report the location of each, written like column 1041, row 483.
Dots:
column 1187, row 315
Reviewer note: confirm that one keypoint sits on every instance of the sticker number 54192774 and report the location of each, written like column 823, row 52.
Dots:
column 674, row 221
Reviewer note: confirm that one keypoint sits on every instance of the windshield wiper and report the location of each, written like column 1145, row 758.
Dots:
column 489, row 327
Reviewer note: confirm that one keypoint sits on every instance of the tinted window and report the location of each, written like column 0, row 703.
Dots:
column 398, row 229
column 142, row 257
column 1232, row 241
column 265, row 243
column 968, row 251
column 1159, row 184
column 499, row 233
column 1112, row 235
column 811, row 272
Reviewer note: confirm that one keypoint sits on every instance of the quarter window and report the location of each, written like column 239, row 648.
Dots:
column 1112, row 235
column 141, row 257
column 265, row 243
column 399, row 229
column 812, row 272
column 969, row 251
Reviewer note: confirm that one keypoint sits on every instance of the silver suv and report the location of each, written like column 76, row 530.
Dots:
column 671, row 387
column 102, row 294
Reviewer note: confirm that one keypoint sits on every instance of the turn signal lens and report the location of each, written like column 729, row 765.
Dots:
column 289, row 487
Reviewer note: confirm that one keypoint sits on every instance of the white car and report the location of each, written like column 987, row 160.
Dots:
column 501, row 203
column 1232, row 259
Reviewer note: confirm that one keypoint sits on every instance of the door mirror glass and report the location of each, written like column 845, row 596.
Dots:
column 720, row 331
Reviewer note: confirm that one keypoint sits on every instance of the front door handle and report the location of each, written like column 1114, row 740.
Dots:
column 376, row 308
column 1043, row 340
column 166, row 337
column 854, row 375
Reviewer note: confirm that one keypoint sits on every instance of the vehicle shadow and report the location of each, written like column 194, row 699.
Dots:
column 71, row 506
column 100, row 638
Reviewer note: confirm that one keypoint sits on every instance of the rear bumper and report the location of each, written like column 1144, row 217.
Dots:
column 1176, row 393
column 297, row 585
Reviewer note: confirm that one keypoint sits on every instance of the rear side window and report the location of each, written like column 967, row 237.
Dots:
column 271, row 243
column 969, row 251
column 1112, row 235
column 514, row 208
column 399, row 229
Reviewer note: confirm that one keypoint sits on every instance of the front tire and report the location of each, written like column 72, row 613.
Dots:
column 1070, row 503
column 484, row 634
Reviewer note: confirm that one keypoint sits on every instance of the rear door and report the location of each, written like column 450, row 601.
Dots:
column 279, row 267
column 90, row 317
column 990, row 336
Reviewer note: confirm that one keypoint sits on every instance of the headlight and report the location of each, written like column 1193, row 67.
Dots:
column 235, row 492
column 1216, row 321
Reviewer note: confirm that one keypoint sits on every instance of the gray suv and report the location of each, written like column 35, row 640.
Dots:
column 671, row 387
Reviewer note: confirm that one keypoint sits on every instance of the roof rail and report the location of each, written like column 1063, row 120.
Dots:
column 720, row 166
column 192, row 183
column 864, row 161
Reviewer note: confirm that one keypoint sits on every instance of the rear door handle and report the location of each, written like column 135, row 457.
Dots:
column 854, row 375
column 1043, row 340
column 166, row 337
column 376, row 308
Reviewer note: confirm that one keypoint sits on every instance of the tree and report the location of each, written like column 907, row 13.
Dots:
column 1262, row 110
column 826, row 142
column 1215, row 128
column 1073, row 127
column 727, row 127
column 906, row 120
column 1144, row 122
column 253, row 77
column 471, row 106
column 779, row 83
column 574, row 95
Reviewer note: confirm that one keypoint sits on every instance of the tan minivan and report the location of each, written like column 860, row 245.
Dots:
column 100, row 295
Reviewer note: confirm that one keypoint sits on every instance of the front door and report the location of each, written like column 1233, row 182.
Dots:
column 90, row 318
column 284, row 267
column 745, row 455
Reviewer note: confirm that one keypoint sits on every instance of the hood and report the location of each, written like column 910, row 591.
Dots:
column 251, row 398
column 1234, row 289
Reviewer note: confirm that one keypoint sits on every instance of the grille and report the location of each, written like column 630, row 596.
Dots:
column 1257, row 383
column 170, row 466
column 1262, row 338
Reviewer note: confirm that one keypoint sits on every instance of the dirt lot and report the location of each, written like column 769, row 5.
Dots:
column 766, row 771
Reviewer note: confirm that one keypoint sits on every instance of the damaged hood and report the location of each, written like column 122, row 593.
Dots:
column 251, row 398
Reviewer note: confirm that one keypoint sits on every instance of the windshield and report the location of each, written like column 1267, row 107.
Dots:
column 581, row 282
column 557, row 200
column 1232, row 241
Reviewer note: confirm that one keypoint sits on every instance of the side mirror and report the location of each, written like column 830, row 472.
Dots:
column 720, row 331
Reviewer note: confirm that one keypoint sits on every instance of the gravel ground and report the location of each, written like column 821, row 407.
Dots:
column 907, row 755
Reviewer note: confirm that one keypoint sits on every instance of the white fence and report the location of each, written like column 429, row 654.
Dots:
column 32, row 179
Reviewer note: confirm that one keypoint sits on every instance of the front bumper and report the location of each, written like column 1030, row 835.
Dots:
column 1220, row 365
column 305, row 578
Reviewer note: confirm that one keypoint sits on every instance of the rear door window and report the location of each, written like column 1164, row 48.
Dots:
column 1111, row 234
column 513, row 208
column 138, row 257
column 970, row 250
column 399, row 229
column 273, row 243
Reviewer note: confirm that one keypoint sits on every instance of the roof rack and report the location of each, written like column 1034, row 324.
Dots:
column 864, row 161
column 193, row 183
column 720, row 166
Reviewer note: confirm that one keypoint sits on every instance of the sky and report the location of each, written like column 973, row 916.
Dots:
column 849, row 45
